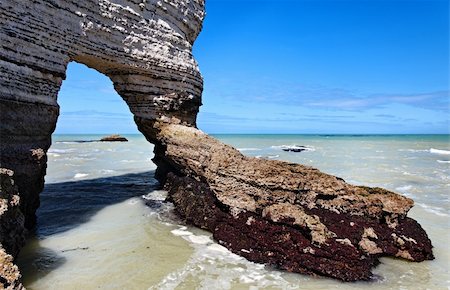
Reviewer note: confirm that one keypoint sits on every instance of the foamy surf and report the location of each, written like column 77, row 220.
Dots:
column 433, row 209
column 248, row 149
column 80, row 175
column 60, row 151
column 207, row 263
column 413, row 150
column 405, row 188
column 439, row 151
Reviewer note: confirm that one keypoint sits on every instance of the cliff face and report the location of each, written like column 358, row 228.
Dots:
column 290, row 216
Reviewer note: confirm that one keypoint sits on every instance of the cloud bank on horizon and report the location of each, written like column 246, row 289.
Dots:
column 342, row 67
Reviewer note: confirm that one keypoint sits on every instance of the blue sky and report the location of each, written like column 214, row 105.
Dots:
column 314, row 67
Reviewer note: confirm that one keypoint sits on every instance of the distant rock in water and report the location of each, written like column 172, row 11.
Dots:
column 114, row 138
column 295, row 149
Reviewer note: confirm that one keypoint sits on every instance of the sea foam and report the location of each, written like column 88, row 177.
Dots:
column 248, row 149
column 80, row 175
column 439, row 151
column 60, row 151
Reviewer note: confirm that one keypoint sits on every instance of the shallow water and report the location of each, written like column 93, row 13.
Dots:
column 103, row 224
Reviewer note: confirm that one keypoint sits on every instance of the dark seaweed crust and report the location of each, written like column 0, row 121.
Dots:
column 289, row 247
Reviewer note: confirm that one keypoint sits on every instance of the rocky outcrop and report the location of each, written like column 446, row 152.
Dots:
column 292, row 216
column 114, row 138
column 12, row 231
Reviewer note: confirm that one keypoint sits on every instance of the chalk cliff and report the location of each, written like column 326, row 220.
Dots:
column 290, row 216
column 143, row 46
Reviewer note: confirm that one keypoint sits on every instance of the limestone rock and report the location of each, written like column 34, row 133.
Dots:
column 12, row 231
column 144, row 47
column 9, row 272
column 291, row 216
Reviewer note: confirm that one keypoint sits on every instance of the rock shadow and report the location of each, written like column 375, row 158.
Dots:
column 36, row 261
column 67, row 205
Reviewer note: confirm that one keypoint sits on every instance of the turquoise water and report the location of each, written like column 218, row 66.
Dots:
column 103, row 223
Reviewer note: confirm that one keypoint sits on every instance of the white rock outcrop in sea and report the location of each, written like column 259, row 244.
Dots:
column 287, row 215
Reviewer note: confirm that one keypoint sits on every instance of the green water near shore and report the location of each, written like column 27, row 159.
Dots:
column 103, row 224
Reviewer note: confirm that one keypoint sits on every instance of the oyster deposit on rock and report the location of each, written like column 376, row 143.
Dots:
column 12, row 231
column 288, row 215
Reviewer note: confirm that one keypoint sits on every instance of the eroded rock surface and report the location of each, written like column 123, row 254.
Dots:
column 288, row 215
column 12, row 231
column 291, row 216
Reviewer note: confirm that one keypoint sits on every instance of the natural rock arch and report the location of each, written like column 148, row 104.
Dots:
column 292, row 216
column 144, row 47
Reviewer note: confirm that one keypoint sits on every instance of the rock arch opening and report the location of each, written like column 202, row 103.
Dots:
column 90, row 105
column 90, row 185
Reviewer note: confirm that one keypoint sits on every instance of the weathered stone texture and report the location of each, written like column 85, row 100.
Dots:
column 289, row 215
column 12, row 231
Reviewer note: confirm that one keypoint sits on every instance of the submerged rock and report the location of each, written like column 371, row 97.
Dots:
column 114, row 138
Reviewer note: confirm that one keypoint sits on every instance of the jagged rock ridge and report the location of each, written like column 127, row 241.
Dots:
column 268, row 211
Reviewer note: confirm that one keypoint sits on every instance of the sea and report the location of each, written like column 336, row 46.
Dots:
column 103, row 222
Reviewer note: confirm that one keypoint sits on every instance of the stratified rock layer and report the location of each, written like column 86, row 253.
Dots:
column 288, row 215
column 144, row 47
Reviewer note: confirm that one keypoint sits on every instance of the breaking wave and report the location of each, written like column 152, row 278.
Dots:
column 439, row 151
column 248, row 149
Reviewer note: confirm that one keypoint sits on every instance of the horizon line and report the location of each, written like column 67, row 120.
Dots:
column 320, row 134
